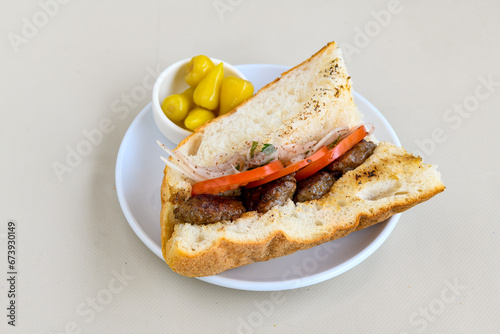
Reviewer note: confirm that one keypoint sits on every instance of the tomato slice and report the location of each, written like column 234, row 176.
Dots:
column 289, row 169
column 234, row 181
column 343, row 146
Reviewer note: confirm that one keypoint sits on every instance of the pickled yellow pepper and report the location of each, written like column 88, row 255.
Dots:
column 207, row 93
column 233, row 92
column 197, row 117
column 197, row 69
column 176, row 106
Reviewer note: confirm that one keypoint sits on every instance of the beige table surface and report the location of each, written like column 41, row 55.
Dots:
column 431, row 67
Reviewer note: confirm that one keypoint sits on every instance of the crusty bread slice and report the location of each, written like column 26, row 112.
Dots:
column 302, row 105
column 388, row 182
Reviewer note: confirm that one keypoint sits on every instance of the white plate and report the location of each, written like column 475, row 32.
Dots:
column 139, row 172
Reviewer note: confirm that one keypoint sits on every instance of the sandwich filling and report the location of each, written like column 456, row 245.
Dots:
column 268, row 175
column 258, row 155
column 211, row 208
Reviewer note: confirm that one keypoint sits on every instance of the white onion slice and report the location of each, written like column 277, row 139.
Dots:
column 291, row 152
column 200, row 173
column 180, row 164
column 370, row 128
column 178, row 169
column 330, row 138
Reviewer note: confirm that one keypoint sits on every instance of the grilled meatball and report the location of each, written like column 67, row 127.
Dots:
column 264, row 197
column 207, row 209
column 352, row 158
column 314, row 186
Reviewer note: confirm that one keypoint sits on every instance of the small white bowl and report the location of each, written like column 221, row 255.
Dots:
column 171, row 81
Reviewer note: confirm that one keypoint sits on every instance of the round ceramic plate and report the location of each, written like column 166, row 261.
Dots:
column 139, row 173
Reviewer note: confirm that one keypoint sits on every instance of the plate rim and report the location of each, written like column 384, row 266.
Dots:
column 138, row 230
column 252, row 285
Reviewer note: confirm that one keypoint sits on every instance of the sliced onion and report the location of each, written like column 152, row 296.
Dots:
column 200, row 173
column 180, row 170
column 297, row 158
column 292, row 152
column 370, row 127
column 180, row 166
column 228, row 167
column 230, row 163
column 218, row 157
column 261, row 158
column 330, row 138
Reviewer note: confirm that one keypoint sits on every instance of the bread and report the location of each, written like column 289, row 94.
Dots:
column 304, row 104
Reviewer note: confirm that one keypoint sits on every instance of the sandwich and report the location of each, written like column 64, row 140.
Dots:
column 292, row 167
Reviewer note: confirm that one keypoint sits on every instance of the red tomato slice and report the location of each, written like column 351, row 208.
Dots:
column 289, row 169
column 234, row 181
column 345, row 145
